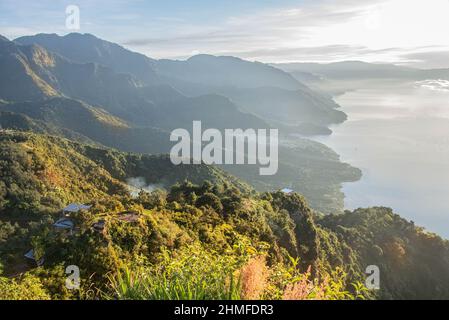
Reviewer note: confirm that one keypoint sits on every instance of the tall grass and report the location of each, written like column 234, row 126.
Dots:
column 198, row 274
column 192, row 274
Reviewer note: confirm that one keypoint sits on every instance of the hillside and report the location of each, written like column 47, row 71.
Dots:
column 220, row 228
column 79, row 121
column 412, row 261
column 43, row 74
column 199, row 75
column 19, row 79
column 256, row 87
column 88, row 48
column 41, row 172
column 309, row 167
column 89, row 100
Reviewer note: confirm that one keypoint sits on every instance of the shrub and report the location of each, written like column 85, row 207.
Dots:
column 26, row 288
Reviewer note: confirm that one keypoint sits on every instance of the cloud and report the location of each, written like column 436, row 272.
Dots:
column 326, row 30
column 329, row 53
column 435, row 85
column 395, row 31
column 281, row 29
column 429, row 59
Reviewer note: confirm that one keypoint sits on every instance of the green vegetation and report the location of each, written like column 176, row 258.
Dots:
column 27, row 288
column 413, row 262
column 211, row 238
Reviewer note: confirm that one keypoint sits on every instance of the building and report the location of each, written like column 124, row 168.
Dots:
column 31, row 257
column 64, row 224
column 75, row 207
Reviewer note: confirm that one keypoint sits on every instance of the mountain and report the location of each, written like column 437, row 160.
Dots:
column 226, row 71
column 308, row 167
column 78, row 121
column 351, row 70
column 340, row 77
column 49, row 75
column 241, row 81
column 19, row 79
column 347, row 70
column 288, row 107
column 83, row 48
column 255, row 87
column 22, row 122
column 98, row 125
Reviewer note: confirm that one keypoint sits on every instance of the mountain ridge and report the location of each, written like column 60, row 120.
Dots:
column 198, row 75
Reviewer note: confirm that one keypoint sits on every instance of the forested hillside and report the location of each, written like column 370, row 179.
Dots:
column 217, row 239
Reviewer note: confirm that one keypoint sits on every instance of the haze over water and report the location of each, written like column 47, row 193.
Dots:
column 398, row 135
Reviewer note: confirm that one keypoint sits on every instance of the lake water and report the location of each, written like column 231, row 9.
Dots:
column 398, row 135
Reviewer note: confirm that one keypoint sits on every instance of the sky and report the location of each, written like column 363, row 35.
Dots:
column 407, row 32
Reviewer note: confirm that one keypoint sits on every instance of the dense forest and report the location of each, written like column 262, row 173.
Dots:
column 194, row 232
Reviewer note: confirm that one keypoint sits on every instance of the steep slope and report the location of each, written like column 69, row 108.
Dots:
column 74, row 119
column 413, row 263
column 257, row 88
column 84, row 48
column 18, row 78
column 22, row 122
column 120, row 94
column 290, row 107
column 226, row 72
column 203, row 75
column 41, row 173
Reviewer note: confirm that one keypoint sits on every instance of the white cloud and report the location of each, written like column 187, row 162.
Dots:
column 357, row 29
column 313, row 30
column 436, row 85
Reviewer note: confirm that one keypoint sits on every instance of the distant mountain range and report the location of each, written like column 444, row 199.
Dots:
column 360, row 70
column 202, row 75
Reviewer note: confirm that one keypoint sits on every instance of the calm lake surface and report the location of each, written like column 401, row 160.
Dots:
column 398, row 135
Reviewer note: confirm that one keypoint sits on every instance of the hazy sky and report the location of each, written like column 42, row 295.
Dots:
column 413, row 32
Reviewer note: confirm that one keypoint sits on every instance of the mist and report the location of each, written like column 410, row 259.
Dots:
column 138, row 184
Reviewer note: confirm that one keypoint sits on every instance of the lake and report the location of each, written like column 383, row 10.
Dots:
column 398, row 135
